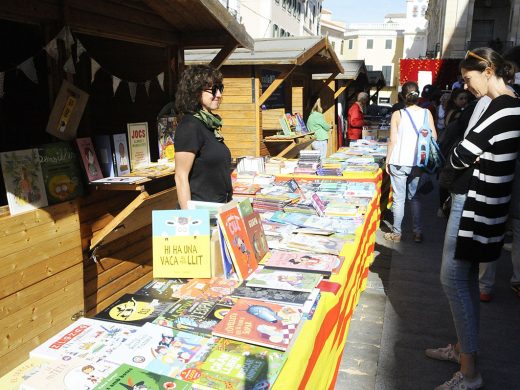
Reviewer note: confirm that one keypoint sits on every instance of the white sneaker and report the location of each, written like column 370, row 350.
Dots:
column 508, row 246
column 460, row 382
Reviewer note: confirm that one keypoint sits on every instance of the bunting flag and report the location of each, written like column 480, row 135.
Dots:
column 115, row 84
column 160, row 79
column 69, row 66
column 66, row 36
column 94, row 67
column 52, row 49
column 132, row 86
column 147, row 87
column 80, row 49
column 28, row 68
column 2, row 75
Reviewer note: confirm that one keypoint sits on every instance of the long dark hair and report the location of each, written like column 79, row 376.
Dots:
column 193, row 81
column 410, row 93
column 483, row 57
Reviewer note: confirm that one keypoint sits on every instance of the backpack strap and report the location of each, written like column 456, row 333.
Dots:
column 426, row 123
column 411, row 120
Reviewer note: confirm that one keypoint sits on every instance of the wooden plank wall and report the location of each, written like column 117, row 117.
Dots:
column 41, row 278
column 238, row 111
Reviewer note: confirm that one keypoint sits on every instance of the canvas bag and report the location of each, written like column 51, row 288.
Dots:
column 428, row 154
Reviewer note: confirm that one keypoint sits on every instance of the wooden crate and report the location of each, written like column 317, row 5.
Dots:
column 41, row 278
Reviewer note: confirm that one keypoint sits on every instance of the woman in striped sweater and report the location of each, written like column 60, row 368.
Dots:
column 484, row 162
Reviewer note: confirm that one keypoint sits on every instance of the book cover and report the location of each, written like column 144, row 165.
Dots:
column 122, row 163
column 286, row 129
column 119, row 180
column 255, row 235
column 283, row 280
column 61, row 172
column 317, row 244
column 212, row 289
column 166, row 126
column 193, row 315
column 105, row 154
column 132, row 378
column 227, row 262
column 285, row 297
column 138, row 144
column 301, row 124
column 23, row 180
column 86, row 338
column 235, row 235
column 70, row 374
column 318, row 204
column 14, row 378
column 212, row 207
column 161, row 288
column 89, row 158
column 181, row 244
column 160, row 349
column 261, row 323
column 134, row 309
column 305, row 262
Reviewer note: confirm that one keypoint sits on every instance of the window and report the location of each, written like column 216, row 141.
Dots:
column 387, row 73
column 370, row 68
column 333, row 45
column 284, row 3
column 282, row 32
column 370, row 43
column 277, row 1
column 350, row 44
column 298, row 10
column 388, row 44
column 275, row 30
column 342, row 47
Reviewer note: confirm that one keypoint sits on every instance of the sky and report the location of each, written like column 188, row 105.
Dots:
column 363, row 11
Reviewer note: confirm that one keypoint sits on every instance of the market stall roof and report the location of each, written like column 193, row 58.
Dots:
column 315, row 53
column 351, row 70
column 163, row 23
column 376, row 78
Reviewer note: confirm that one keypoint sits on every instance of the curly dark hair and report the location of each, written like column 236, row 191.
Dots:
column 193, row 81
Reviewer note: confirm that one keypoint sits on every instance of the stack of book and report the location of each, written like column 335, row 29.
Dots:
column 308, row 162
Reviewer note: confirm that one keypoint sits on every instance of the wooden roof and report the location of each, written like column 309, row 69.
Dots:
column 314, row 53
column 376, row 78
column 351, row 70
column 163, row 23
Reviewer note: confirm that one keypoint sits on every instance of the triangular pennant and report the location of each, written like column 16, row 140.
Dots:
column 147, row 87
column 69, row 66
column 115, row 83
column 160, row 79
column 69, row 39
column 52, row 49
column 80, row 49
column 94, row 67
column 2, row 76
column 132, row 86
column 28, row 68
column 62, row 34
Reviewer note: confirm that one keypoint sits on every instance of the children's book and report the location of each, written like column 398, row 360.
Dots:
column 231, row 364
column 181, row 244
column 212, row 207
column 235, row 235
column 283, row 280
column 227, row 262
column 166, row 126
column 193, row 315
column 255, row 235
column 138, row 144
column 164, row 289
column 301, row 124
column 286, row 129
column 312, row 243
column 212, row 289
column 132, row 378
column 14, row 378
column 285, row 297
column 86, row 338
column 72, row 374
column 121, row 153
column 120, row 180
column 261, row 323
column 23, row 180
column 105, row 154
column 89, row 158
column 304, row 262
column 160, row 349
column 134, row 309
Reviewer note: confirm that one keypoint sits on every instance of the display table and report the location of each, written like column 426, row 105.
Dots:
column 314, row 360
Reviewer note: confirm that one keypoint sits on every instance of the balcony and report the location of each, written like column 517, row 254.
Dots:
column 496, row 44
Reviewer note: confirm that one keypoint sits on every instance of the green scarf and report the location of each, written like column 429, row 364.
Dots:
column 212, row 122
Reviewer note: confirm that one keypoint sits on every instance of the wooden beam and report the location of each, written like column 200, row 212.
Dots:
column 339, row 91
column 32, row 11
column 280, row 78
column 223, row 54
column 326, row 83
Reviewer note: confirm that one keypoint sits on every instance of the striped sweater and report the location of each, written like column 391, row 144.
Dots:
column 491, row 146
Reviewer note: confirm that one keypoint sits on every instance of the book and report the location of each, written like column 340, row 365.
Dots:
column 119, row 180
column 161, row 288
column 86, row 338
column 72, row 374
column 134, row 309
column 160, row 349
column 231, row 364
column 89, row 158
column 227, row 263
column 105, row 154
column 166, row 126
column 212, row 289
column 301, row 126
column 283, row 280
column 23, row 179
column 317, row 244
column 181, row 244
column 255, row 235
column 129, row 377
column 212, row 207
column 286, row 129
column 138, row 144
column 14, row 378
column 261, row 323
column 235, row 236
column 304, row 262
column 121, row 153
column 286, row 297
column 193, row 315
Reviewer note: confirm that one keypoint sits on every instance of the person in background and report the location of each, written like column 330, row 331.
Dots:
column 427, row 100
column 441, row 112
column 458, row 101
column 355, row 117
column 476, row 226
column 459, row 83
column 202, row 160
column 316, row 123
column 401, row 160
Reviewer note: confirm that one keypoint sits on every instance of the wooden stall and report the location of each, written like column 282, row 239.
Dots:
column 264, row 84
column 73, row 258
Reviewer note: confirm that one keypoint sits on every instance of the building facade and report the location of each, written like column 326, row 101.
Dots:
column 456, row 26
column 334, row 31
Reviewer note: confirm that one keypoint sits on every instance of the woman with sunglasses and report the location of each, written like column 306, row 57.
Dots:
column 202, row 160
column 485, row 162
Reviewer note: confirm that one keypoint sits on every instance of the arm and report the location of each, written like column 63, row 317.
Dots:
column 323, row 123
column 183, row 165
column 394, row 125
column 356, row 116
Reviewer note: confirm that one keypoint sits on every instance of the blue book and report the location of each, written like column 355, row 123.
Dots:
column 105, row 154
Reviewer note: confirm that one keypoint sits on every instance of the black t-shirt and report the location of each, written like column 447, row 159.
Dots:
column 210, row 176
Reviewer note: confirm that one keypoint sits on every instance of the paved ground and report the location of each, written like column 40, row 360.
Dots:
column 404, row 310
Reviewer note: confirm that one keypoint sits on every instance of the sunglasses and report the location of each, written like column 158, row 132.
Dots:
column 469, row 53
column 214, row 88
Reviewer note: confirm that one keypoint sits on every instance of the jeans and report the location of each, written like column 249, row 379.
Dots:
column 404, row 186
column 321, row 146
column 459, row 280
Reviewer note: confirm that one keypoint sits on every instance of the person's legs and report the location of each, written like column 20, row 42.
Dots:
column 398, row 178
column 415, row 200
column 321, row 146
column 515, row 253
column 486, row 277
